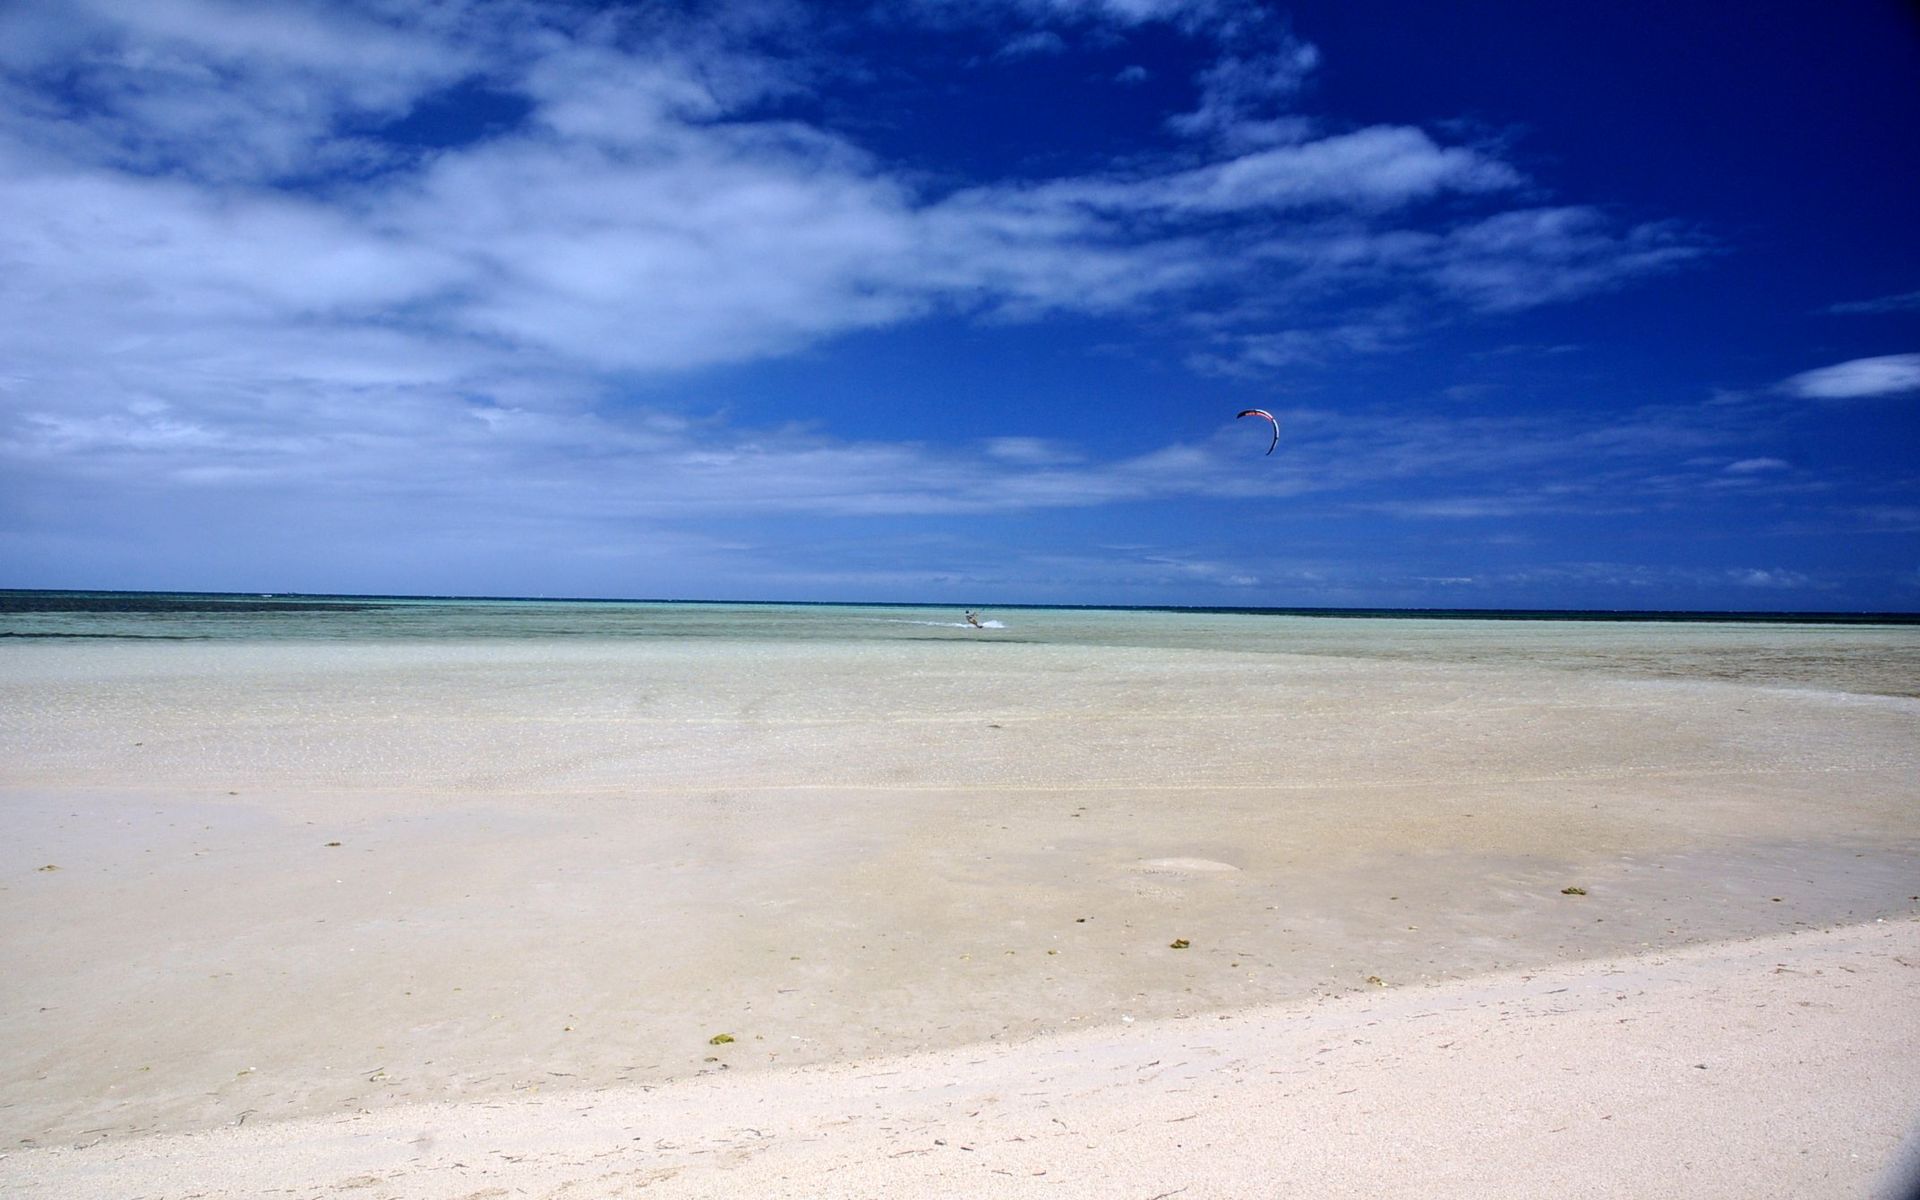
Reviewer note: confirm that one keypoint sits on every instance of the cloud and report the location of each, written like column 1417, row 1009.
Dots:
column 1530, row 257
column 1891, row 517
column 545, row 456
column 1454, row 507
column 1371, row 171
column 1239, row 93
column 1031, row 451
column 1378, row 167
column 1752, row 466
column 1342, row 286
column 1905, row 302
column 626, row 228
column 1769, row 577
column 1886, row 375
column 223, row 280
column 1215, row 17
column 1036, row 43
column 635, row 219
column 218, row 90
column 1185, row 568
column 1250, row 355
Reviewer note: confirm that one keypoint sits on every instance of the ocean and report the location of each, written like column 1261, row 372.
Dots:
column 1858, row 652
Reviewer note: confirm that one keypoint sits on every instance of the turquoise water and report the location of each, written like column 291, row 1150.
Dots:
column 1858, row 653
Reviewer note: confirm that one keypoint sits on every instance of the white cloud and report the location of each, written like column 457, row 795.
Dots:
column 1240, row 93
column 1032, row 451
column 195, row 298
column 1904, row 302
column 1181, row 567
column 1259, row 67
column 1886, row 375
column 1453, row 507
column 1752, row 466
column 1191, row 15
column 1512, row 261
column 1521, row 259
column 633, row 222
column 215, row 89
column 1769, row 577
column 1382, row 166
column 1254, row 354
column 1036, row 43
column 1891, row 517
column 1371, row 170
column 549, row 457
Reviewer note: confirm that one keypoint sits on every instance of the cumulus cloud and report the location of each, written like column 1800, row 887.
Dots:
column 1885, row 375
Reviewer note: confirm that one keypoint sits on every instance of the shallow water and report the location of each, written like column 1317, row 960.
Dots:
column 1857, row 654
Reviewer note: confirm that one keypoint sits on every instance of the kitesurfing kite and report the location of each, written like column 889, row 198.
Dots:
column 1261, row 412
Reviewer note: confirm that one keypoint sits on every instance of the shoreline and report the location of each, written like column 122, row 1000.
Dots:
column 1782, row 1066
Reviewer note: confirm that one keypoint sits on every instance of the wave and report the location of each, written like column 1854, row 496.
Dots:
column 935, row 624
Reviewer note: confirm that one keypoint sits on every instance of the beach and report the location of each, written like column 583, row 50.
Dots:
column 370, row 902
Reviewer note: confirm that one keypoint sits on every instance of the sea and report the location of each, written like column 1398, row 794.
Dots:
column 1875, row 653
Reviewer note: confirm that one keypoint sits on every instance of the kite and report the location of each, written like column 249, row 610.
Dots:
column 1261, row 412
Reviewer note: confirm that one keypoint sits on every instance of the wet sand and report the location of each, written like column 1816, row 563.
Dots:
column 565, row 868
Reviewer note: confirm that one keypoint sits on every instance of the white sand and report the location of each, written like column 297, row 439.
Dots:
column 1780, row 1067
column 560, row 869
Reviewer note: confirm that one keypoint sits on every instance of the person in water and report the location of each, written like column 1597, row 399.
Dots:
column 973, row 619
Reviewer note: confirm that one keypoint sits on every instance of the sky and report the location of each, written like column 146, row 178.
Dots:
column 955, row 301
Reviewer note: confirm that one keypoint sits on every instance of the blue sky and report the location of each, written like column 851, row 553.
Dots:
column 956, row 301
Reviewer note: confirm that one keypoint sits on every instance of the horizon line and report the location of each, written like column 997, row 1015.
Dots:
column 1822, row 616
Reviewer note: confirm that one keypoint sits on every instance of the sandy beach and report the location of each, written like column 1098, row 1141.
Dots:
column 433, row 918
column 1777, row 1067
